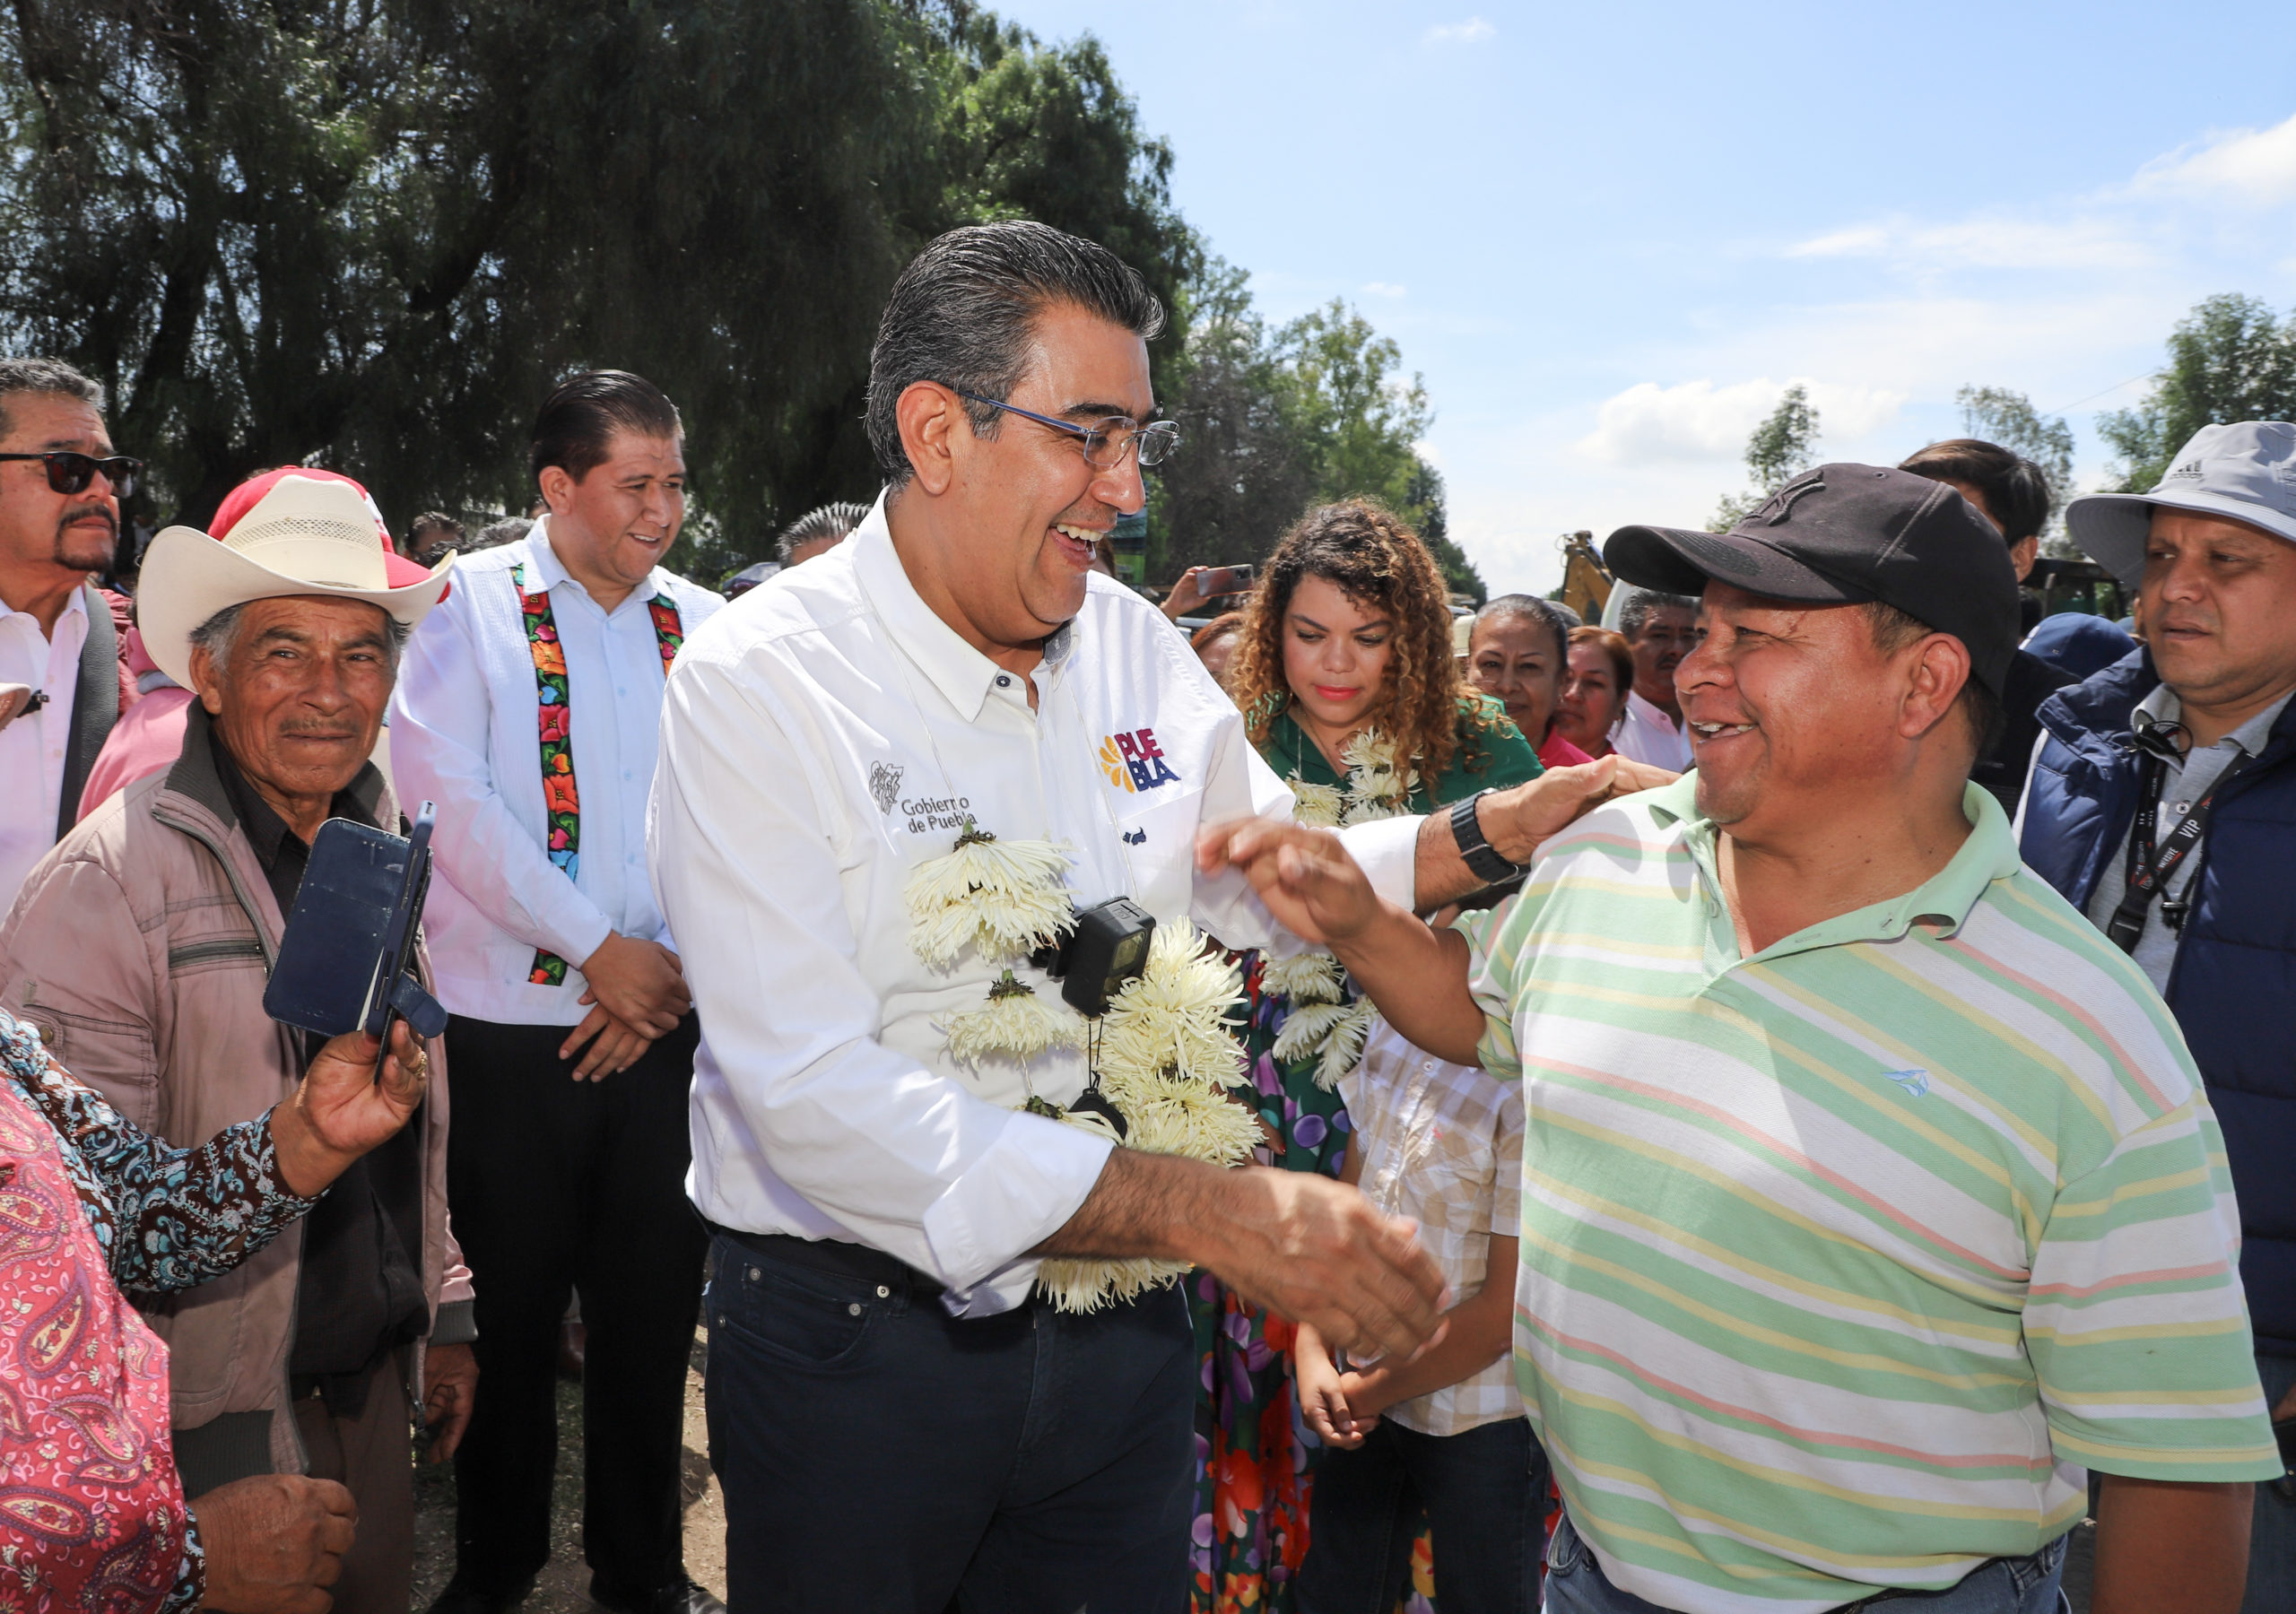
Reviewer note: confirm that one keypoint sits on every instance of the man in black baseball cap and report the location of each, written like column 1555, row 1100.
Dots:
column 1862, row 1170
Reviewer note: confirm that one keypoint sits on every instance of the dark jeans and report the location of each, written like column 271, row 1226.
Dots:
column 559, row 1185
column 1482, row 1493
column 1576, row 1585
column 878, row 1454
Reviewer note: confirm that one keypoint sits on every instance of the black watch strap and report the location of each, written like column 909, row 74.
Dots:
column 1482, row 860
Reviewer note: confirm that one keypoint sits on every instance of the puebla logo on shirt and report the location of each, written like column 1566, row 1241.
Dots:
column 1135, row 761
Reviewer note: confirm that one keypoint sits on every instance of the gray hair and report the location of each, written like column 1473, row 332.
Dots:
column 963, row 313
column 833, row 522
column 1636, row 614
column 49, row 377
column 217, row 634
column 1557, row 619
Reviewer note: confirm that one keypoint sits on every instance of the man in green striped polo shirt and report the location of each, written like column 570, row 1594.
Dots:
column 1870, row 1196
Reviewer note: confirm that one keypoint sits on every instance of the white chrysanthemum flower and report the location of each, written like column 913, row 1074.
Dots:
column 1373, row 771
column 1166, row 1061
column 1318, row 806
column 1311, row 977
column 1368, row 810
column 1174, row 1016
column 1016, row 1023
column 1305, row 1030
column 1343, row 1051
column 1002, row 898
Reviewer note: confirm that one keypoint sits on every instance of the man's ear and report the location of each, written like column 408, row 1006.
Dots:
column 932, row 427
column 557, row 489
column 1941, row 667
column 2022, row 554
column 205, row 681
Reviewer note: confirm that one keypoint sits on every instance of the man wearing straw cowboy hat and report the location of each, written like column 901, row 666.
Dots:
column 140, row 948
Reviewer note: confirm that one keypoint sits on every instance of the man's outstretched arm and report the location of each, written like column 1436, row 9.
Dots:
column 1417, row 976
column 1516, row 821
column 1312, row 1250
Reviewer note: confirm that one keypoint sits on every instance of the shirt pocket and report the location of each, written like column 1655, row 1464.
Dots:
column 1158, row 841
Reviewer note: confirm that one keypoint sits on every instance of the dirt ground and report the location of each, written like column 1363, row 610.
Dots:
column 563, row 1586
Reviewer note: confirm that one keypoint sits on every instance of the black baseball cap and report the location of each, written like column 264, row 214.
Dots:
column 1843, row 534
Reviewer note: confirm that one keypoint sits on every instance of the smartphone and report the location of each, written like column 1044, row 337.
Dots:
column 1215, row 580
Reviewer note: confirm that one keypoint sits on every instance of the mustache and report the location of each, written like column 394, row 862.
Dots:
column 94, row 506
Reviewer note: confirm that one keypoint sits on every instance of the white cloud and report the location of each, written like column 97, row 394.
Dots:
column 1986, row 242
column 1472, row 31
column 1383, row 289
column 1697, row 421
column 2255, row 167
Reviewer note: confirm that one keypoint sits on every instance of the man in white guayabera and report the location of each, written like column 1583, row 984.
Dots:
column 908, row 1407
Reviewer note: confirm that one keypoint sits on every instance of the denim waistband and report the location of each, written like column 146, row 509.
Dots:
column 835, row 1257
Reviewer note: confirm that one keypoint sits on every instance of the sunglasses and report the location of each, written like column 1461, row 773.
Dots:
column 70, row 472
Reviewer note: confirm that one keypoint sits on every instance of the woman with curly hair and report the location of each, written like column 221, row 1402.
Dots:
column 1344, row 672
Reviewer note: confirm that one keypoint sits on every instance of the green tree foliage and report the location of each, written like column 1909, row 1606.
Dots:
column 1276, row 420
column 2229, row 359
column 1996, row 414
column 1783, row 447
column 372, row 233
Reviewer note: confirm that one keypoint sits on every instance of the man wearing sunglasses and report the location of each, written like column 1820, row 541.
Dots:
column 60, row 488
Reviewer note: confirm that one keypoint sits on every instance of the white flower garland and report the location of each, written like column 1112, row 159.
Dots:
column 1165, row 1055
column 1322, row 1022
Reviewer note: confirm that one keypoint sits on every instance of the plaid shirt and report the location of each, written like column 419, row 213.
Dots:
column 1442, row 1143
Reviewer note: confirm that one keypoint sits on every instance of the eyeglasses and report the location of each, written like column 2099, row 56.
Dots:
column 70, row 472
column 1106, row 442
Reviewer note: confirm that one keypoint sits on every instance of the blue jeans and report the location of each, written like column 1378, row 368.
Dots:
column 2271, row 1539
column 1482, row 1493
column 1576, row 1585
column 880, row 1454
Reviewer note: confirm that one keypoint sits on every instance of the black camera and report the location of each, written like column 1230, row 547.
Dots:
column 1103, row 948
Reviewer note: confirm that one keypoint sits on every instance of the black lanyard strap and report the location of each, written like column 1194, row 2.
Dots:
column 2149, row 866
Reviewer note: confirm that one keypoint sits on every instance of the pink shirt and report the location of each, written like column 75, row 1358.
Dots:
column 1558, row 752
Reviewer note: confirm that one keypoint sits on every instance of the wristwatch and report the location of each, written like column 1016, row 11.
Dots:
column 1481, row 860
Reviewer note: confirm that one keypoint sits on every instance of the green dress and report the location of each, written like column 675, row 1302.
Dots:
column 1255, row 1453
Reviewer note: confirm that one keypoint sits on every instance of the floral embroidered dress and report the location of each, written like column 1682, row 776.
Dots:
column 92, row 1515
column 1255, row 1453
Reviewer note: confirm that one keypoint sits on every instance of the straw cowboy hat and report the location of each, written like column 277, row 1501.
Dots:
column 292, row 532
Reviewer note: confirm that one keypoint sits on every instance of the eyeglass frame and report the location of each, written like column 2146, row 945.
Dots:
column 123, row 483
column 1170, row 429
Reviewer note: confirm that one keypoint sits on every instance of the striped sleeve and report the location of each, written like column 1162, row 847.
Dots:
column 1494, row 949
column 2134, row 1318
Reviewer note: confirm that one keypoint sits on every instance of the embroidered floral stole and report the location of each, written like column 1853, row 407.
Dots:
column 561, row 800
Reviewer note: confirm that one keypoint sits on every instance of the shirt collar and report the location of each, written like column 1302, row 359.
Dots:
column 2163, row 705
column 77, row 603
column 962, row 674
column 259, row 821
column 1648, row 712
column 1944, row 900
column 549, row 571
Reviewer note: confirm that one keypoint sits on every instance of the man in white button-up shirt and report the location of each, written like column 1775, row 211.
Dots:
column 528, row 709
column 56, row 633
column 1662, row 628
column 898, row 1423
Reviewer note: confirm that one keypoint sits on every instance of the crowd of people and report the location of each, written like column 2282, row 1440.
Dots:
column 1764, row 1101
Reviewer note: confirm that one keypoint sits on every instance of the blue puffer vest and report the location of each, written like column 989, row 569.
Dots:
column 2233, row 985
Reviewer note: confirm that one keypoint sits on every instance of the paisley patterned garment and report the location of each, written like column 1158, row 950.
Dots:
column 93, row 1516
column 1255, row 1451
column 555, row 723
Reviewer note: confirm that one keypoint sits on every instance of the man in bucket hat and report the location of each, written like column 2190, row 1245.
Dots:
column 2162, row 805
column 140, row 948
column 1869, row 1194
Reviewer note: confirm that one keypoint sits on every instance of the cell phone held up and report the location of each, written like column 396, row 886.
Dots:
column 1215, row 581
column 346, row 958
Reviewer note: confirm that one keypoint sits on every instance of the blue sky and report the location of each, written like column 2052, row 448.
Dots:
column 1609, row 235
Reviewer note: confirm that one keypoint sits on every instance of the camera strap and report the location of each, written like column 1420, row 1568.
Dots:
column 2150, row 866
